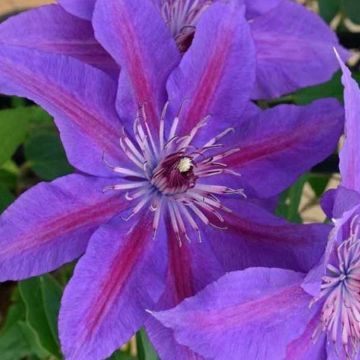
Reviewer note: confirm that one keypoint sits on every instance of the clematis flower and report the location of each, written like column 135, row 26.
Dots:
column 293, row 45
column 158, row 154
column 281, row 314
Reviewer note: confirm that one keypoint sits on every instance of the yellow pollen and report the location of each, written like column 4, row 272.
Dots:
column 184, row 165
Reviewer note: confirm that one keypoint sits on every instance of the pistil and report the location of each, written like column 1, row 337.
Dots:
column 168, row 173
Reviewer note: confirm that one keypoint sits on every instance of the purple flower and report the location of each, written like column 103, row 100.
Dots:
column 281, row 314
column 167, row 142
column 293, row 45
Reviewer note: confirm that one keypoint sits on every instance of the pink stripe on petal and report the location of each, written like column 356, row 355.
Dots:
column 81, row 99
column 255, row 237
column 186, row 276
column 288, row 135
column 242, row 315
column 257, row 311
column 95, row 214
column 135, row 35
column 51, row 224
column 118, row 274
column 306, row 346
column 209, row 80
column 283, row 142
column 121, row 275
column 93, row 128
column 214, row 84
column 43, row 29
column 180, row 270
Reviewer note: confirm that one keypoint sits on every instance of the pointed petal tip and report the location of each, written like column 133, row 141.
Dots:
column 340, row 60
column 337, row 54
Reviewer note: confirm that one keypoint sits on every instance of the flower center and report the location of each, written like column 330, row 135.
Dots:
column 166, row 174
column 184, row 165
column 340, row 291
column 174, row 175
column 182, row 17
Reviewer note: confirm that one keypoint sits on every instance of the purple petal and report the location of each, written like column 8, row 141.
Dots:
column 51, row 224
column 254, row 237
column 349, row 155
column 277, row 144
column 80, row 97
column 215, row 84
column 121, row 275
column 304, row 347
column 256, row 312
column 43, row 29
column 256, row 8
column 336, row 201
column 294, row 49
column 327, row 202
column 135, row 35
column 191, row 268
column 163, row 339
column 313, row 279
column 81, row 8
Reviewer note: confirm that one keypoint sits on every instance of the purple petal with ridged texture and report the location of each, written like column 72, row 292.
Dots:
column 254, row 237
column 81, row 8
column 191, row 267
column 305, row 347
column 80, row 97
column 336, row 201
column 349, row 154
column 121, row 275
column 215, row 84
column 294, row 50
column 43, row 29
column 256, row 312
column 327, row 202
column 277, row 144
column 256, row 8
column 51, row 224
column 143, row 48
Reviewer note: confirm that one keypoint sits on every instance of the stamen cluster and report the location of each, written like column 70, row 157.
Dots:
column 340, row 291
column 168, row 173
column 181, row 17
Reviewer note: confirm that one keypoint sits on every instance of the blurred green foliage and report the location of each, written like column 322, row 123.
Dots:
column 347, row 8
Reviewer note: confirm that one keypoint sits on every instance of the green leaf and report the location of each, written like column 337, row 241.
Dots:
column 17, row 339
column 35, row 348
column 42, row 296
column 8, row 175
column 318, row 183
column 144, row 347
column 17, row 102
column 329, row 9
column 290, row 201
column 41, row 120
column 15, row 313
column 120, row 355
column 46, row 155
column 332, row 88
column 352, row 9
column 6, row 198
column 13, row 129
column 13, row 343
